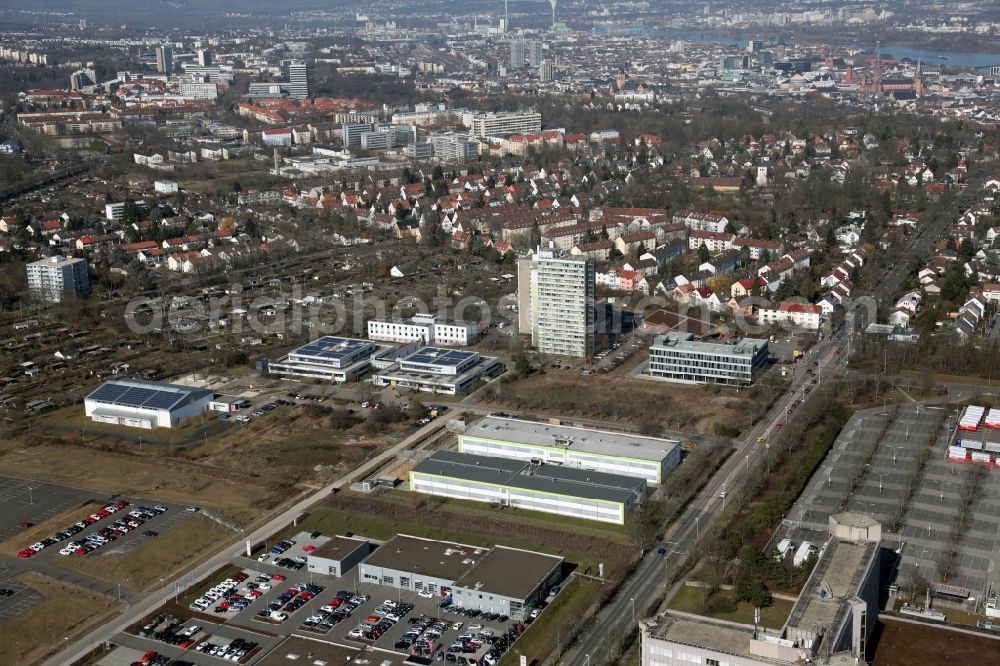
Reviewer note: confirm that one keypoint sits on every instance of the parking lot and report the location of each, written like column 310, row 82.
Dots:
column 264, row 603
column 22, row 599
column 23, row 500
column 910, row 448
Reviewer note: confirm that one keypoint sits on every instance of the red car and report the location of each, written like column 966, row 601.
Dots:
column 27, row 552
column 777, row 426
column 277, row 577
column 25, row 525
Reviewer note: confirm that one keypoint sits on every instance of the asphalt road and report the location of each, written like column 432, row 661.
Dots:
column 648, row 581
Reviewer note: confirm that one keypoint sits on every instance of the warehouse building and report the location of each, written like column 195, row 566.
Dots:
column 678, row 357
column 564, row 491
column 503, row 580
column 437, row 370
column 330, row 358
column 138, row 403
column 649, row 458
column 337, row 556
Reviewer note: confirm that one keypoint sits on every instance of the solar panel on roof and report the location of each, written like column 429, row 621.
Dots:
column 161, row 400
column 136, row 396
column 108, row 392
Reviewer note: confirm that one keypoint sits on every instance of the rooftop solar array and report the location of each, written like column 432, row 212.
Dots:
column 439, row 356
column 332, row 348
column 148, row 395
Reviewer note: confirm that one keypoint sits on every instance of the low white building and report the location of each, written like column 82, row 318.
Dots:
column 423, row 327
column 437, row 370
column 165, row 186
column 144, row 404
column 803, row 315
column 331, row 358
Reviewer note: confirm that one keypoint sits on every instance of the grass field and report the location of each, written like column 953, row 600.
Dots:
column 112, row 472
column 689, row 600
column 679, row 407
column 66, row 610
column 144, row 566
column 541, row 637
column 47, row 528
column 579, row 525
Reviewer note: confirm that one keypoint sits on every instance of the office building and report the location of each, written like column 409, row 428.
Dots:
column 437, row 370
column 419, row 151
column 452, row 147
column 330, row 358
column 831, row 622
column 517, row 53
column 502, row 580
column 498, row 124
column 204, row 58
column 649, row 458
column 164, row 60
column 426, row 328
column 200, row 90
column 534, row 53
column 54, row 278
column 555, row 489
column 143, row 404
column 380, row 139
column 350, row 133
column 298, row 79
column 560, row 293
column 678, row 357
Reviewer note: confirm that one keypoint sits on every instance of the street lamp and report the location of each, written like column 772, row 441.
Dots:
column 697, row 532
column 632, row 599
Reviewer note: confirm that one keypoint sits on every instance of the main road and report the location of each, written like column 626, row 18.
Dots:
column 648, row 580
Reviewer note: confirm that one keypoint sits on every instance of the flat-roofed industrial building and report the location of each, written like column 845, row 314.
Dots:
column 498, row 579
column 555, row 489
column 337, row 556
column 649, row 458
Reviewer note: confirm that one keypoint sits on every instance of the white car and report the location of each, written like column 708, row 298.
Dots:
column 263, row 558
column 263, row 586
column 425, row 594
column 279, row 616
column 457, row 626
column 356, row 632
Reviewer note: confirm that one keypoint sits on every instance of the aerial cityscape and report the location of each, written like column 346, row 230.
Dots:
column 499, row 333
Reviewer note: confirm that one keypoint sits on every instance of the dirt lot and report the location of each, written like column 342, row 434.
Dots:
column 291, row 446
column 157, row 558
column 905, row 644
column 50, row 526
column 137, row 475
column 65, row 611
column 642, row 402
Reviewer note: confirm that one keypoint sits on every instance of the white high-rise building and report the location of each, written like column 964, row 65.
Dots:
column 53, row 278
column 546, row 72
column 517, row 49
column 534, row 53
column 560, row 294
column 298, row 79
